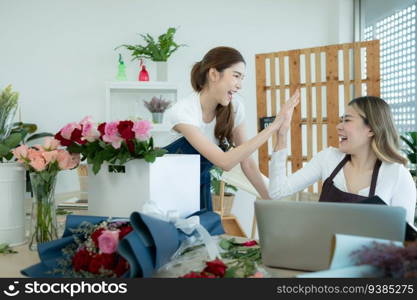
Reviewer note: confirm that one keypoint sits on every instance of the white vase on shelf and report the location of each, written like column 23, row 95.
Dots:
column 161, row 70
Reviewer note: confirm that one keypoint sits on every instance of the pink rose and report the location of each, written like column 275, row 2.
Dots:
column 51, row 144
column 111, row 135
column 66, row 132
column 67, row 161
column 89, row 130
column 21, row 153
column 108, row 240
column 142, row 130
column 36, row 160
column 90, row 133
column 50, row 156
column 64, row 159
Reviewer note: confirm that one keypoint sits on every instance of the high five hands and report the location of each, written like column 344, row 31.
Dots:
column 283, row 120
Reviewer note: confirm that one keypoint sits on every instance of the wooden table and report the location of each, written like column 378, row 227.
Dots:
column 12, row 264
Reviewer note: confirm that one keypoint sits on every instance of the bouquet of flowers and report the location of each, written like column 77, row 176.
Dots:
column 395, row 261
column 44, row 163
column 115, row 142
column 94, row 251
column 240, row 261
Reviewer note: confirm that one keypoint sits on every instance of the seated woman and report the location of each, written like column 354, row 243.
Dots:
column 211, row 120
column 366, row 163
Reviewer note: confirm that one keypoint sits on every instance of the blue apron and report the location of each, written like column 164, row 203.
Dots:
column 182, row 146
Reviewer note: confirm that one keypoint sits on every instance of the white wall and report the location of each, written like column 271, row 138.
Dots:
column 58, row 54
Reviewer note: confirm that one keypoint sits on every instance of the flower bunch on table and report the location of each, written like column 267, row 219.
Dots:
column 240, row 260
column 44, row 162
column 94, row 251
column 114, row 142
column 394, row 261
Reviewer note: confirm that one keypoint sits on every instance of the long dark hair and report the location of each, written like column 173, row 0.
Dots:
column 219, row 58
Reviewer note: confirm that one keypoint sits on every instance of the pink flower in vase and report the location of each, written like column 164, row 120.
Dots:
column 50, row 156
column 112, row 135
column 89, row 131
column 36, row 160
column 64, row 160
column 142, row 130
column 51, row 144
column 21, row 153
column 66, row 132
column 108, row 240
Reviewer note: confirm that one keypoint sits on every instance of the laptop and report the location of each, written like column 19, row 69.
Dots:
column 298, row 235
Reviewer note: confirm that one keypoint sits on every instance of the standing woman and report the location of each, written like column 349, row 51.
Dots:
column 367, row 162
column 211, row 121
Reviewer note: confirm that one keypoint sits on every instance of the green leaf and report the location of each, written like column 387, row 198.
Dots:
column 4, row 150
column 13, row 140
column 225, row 244
column 149, row 157
column 6, row 249
column 38, row 136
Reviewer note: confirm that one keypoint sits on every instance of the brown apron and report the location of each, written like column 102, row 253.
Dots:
column 330, row 193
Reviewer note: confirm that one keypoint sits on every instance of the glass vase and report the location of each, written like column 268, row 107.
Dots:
column 43, row 218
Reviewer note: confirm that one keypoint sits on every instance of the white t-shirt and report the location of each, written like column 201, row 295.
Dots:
column 188, row 111
column 394, row 183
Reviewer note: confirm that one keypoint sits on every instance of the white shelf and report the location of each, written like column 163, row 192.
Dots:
column 141, row 85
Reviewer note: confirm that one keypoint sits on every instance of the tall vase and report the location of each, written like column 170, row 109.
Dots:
column 43, row 219
column 161, row 71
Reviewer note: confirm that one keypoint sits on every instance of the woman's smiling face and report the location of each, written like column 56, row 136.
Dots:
column 354, row 133
column 224, row 84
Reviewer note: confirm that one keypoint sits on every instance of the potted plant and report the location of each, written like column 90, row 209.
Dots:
column 157, row 50
column 12, row 174
column 410, row 139
column 157, row 106
column 229, row 190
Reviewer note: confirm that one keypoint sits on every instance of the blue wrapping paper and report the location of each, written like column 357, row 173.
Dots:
column 149, row 246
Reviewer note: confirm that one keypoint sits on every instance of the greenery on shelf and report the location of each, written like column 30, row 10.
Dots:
column 156, row 50
column 410, row 139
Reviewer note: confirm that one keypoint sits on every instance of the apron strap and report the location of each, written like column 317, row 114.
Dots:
column 339, row 167
column 374, row 177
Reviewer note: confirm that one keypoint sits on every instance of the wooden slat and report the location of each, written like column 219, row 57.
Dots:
column 346, row 74
column 296, row 140
column 262, row 110
column 309, row 104
column 373, row 69
column 273, row 91
column 320, row 49
column 332, row 96
column 319, row 112
column 357, row 68
column 282, row 79
column 317, row 84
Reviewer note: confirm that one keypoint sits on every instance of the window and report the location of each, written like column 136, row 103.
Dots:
column 397, row 35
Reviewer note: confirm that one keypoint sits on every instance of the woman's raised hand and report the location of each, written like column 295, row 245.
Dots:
column 283, row 118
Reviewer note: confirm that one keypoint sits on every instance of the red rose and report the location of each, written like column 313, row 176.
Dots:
column 250, row 243
column 130, row 146
column 198, row 275
column 95, row 235
column 216, row 267
column 76, row 137
column 125, row 130
column 101, row 128
column 121, row 267
column 81, row 260
column 103, row 260
column 124, row 231
column 62, row 140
